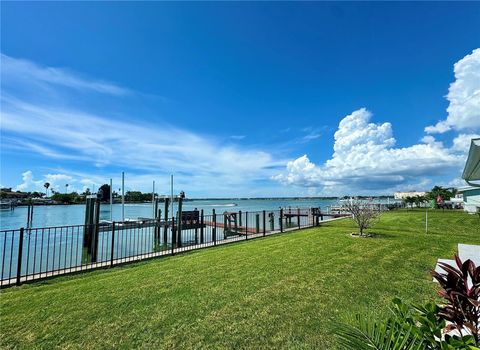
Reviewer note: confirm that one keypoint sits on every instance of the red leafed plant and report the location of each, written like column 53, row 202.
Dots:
column 463, row 297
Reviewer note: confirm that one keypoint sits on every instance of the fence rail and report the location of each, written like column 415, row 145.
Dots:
column 30, row 254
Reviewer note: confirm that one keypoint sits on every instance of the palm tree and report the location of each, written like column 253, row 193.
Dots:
column 66, row 188
column 46, row 185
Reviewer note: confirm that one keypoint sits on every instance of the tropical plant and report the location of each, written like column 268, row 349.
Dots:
column 429, row 326
column 444, row 193
column 409, row 328
column 46, row 185
column 419, row 200
column 66, row 198
column 408, row 201
column 460, row 287
column 105, row 192
column 368, row 334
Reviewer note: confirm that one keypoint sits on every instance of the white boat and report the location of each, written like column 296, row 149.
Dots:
column 7, row 205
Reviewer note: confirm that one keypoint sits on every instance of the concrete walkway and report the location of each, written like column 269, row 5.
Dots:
column 465, row 252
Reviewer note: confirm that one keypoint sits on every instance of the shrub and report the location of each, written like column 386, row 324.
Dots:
column 426, row 327
column 460, row 288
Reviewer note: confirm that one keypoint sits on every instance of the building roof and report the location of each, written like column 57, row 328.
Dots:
column 466, row 189
column 472, row 166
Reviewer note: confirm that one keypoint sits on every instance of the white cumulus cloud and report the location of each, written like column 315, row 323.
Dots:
column 464, row 97
column 56, row 181
column 365, row 159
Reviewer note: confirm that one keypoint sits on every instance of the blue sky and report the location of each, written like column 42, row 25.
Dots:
column 239, row 99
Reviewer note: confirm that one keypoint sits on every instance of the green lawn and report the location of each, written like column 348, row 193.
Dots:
column 274, row 292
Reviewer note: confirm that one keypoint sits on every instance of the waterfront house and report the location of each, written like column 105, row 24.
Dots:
column 471, row 198
column 471, row 174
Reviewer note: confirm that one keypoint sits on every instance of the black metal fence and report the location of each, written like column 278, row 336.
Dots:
column 35, row 253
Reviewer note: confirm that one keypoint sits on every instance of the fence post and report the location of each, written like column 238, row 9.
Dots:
column 113, row 243
column 96, row 231
column 281, row 219
column 174, row 236
column 179, row 222
column 235, row 223
column 257, row 223
column 226, row 224
column 19, row 262
column 264, row 224
column 202, row 238
column 158, row 220
column 165, row 226
column 214, row 232
column 298, row 217
column 246, row 225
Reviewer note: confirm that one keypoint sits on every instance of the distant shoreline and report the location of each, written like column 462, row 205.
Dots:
column 117, row 201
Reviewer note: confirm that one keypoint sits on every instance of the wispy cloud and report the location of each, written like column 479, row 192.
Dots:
column 20, row 71
column 311, row 136
column 71, row 134
column 43, row 124
column 237, row 137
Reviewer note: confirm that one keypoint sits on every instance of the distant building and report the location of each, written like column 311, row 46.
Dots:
column 471, row 174
column 403, row 195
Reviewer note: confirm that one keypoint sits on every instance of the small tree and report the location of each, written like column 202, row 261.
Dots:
column 364, row 214
column 105, row 190
column 419, row 200
column 408, row 201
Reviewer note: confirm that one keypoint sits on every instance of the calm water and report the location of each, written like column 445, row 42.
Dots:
column 51, row 249
column 62, row 215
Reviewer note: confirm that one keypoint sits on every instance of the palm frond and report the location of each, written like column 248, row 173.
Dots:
column 368, row 335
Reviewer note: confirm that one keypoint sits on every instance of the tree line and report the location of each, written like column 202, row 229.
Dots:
column 438, row 191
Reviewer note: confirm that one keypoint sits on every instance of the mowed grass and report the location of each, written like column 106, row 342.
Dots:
column 277, row 292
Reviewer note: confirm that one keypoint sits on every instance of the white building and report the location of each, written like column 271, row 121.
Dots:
column 471, row 174
column 403, row 195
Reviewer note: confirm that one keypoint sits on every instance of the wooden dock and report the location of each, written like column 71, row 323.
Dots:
column 239, row 229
